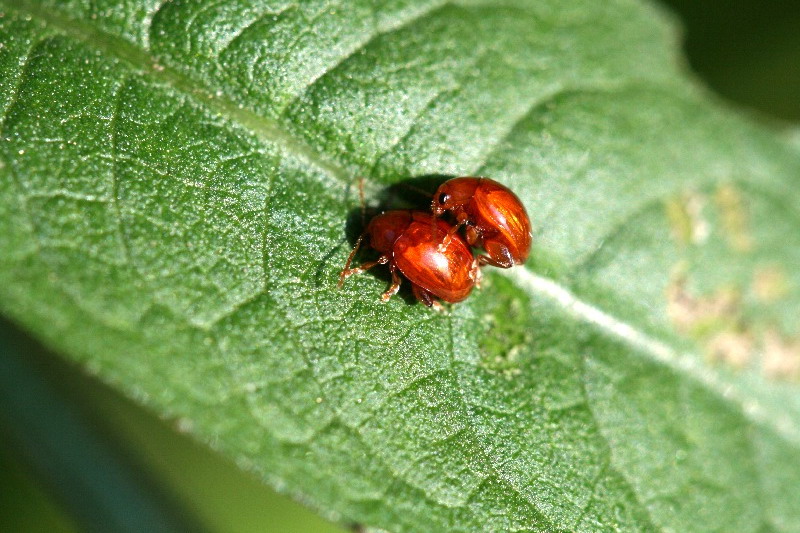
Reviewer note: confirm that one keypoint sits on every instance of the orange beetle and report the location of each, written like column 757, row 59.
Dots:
column 494, row 216
column 412, row 242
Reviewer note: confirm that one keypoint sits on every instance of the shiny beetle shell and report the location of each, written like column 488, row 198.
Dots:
column 494, row 217
column 412, row 243
column 448, row 274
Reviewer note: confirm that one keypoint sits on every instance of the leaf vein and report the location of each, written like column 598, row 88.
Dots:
column 432, row 8
column 115, row 184
column 486, row 458
column 242, row 32
column 147, row 24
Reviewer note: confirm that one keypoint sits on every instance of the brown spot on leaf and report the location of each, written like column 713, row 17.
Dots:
column 731, row 347
column 697, row 315
column 770, row 283
column 686, row 219
column 735, row 219
column 715, row 320
column 781, row 356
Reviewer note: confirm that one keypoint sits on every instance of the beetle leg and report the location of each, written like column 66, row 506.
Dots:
column 473, row 236
column 426, row 297
column 347, row 272
column 395, row 286
column 488, row 260
column 421, row 294
column 447, row 238
column 476, row 274
column 499, row 255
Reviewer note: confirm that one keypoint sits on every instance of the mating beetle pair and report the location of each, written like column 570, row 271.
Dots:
column 429, row 251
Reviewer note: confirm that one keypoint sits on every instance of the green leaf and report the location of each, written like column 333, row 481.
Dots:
column 176, row 181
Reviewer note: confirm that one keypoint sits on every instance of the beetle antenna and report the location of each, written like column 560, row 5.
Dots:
column 346, row 270
column 363, row 202
column 417, row 190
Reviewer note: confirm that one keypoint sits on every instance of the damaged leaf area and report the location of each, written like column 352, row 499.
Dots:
column 176, row 181
column 733, row 322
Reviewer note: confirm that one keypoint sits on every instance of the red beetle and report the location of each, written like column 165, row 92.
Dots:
column 413, row 243
column 494, row 216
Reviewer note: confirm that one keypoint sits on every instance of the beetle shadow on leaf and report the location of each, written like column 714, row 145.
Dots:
column 412, row 193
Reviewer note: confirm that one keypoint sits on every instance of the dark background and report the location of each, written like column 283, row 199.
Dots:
column 748, row 51
column 745, row 51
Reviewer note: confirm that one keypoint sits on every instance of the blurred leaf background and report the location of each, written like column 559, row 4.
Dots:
column 746, row 51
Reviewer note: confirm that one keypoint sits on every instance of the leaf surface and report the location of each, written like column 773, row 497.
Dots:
column 176, row 183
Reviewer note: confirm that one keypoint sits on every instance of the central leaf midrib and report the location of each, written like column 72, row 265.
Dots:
column 687, row 364
column 276, row 133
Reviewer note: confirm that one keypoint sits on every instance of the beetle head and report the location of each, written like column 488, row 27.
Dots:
column 453, row 194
